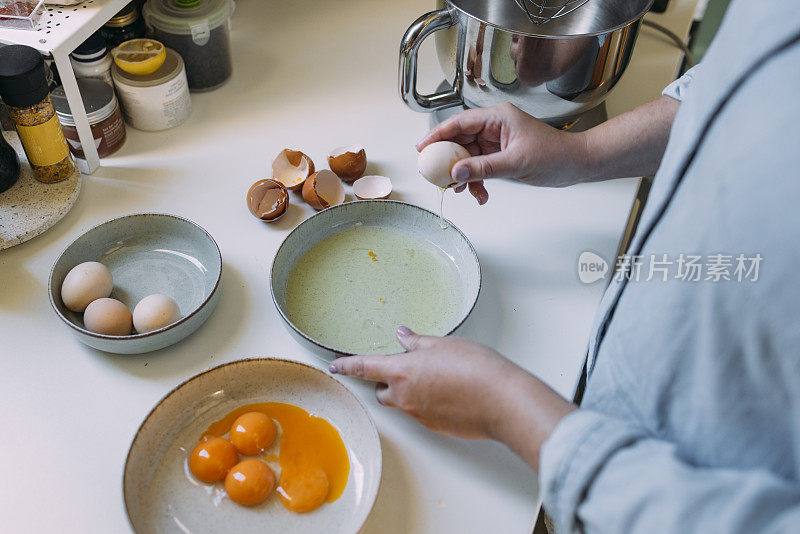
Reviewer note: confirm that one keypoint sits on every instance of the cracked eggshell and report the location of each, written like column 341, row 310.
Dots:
column 291, row 168
column 348, row 162
column 436, row 161
column 323, row 189
column 268, row 200
column 372, row 188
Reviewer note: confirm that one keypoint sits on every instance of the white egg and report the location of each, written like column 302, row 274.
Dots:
column 108, row 316
column 86, row 282
column 437, row 159
column 154, row 312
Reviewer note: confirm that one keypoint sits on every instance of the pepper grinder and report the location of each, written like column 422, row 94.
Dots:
column 9, row 164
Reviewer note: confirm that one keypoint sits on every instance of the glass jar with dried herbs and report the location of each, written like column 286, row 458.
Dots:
column 23, row 87
column 198, row 31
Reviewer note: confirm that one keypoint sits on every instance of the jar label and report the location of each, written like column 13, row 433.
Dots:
column 157, row 107
column 200, row 33
column 44, row 143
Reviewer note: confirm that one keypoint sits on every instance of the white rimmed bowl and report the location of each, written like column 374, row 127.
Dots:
column 146, row 253
column 160, row 497
column 419, row 222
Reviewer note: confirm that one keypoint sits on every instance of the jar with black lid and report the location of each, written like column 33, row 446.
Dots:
column 92, row 60
column 127, row 24
column 24, row 89
column 9, row 164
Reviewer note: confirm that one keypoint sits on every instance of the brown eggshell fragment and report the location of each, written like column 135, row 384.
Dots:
column 268, row 200
column 323, row 189
column 291, row 168
column 372, row 188
column 348, row 162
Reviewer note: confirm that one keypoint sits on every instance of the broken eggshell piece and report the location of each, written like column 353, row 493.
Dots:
column 436, row 161
column 348, row 162
column 323, row 189
column 292, row 168
column 268, row 200
column 372, row 188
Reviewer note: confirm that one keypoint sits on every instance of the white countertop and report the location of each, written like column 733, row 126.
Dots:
column 310, row 75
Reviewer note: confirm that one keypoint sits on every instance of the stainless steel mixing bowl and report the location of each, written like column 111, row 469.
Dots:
column 494, row 53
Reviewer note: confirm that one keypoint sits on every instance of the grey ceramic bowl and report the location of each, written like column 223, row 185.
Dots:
column 418, row 221
column 161, row 497
column 146, row 253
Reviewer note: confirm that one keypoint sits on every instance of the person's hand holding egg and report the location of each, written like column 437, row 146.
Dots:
column 436, row 161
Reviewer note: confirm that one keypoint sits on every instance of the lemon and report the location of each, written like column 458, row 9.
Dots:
column 139, row 57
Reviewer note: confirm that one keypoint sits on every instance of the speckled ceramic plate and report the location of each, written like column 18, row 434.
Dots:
column 146, row 253
column 29, row 208
column 159, row 495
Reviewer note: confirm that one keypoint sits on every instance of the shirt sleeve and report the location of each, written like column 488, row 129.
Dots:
column 678, row 88
column 600, row 474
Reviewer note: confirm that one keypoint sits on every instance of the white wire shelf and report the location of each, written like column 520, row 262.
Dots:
column 58, row 32
column 64, row 27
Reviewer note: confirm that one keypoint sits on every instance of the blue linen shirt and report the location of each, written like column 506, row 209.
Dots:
column 691, row 417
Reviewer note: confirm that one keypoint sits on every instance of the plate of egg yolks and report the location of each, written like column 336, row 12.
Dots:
column 255, row 445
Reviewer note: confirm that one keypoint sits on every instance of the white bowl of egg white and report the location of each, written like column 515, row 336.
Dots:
column 348, row 276
column 137, row 283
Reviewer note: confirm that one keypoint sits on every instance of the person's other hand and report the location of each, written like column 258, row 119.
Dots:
column 506, row 142
column 459, row 388
column 450, row 385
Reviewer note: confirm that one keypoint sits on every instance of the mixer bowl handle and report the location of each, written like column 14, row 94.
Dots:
column 409, row 46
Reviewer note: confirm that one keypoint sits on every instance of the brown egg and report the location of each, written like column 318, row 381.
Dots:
column 323, row 189
column 291, row 168
column 84, row 283
column 268, row 200
column 436, row 162
column 109, row 317
column 348, row 162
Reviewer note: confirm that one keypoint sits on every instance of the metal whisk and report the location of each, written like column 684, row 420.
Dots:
column 542, row 11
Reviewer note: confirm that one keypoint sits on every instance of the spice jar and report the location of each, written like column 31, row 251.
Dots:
column 198, row 31
column 91, row 60
column 102, row 110
column 23, row 87
column 156, row 101
column 124, row 26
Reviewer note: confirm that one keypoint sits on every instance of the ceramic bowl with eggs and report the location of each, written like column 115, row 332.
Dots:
column 347, row 277
column 159, row 272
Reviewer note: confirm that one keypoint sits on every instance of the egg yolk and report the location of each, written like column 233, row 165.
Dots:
column 213, row 457
column 249, row 482
column 314, row 464
column 304, row 491
column 252, row 432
